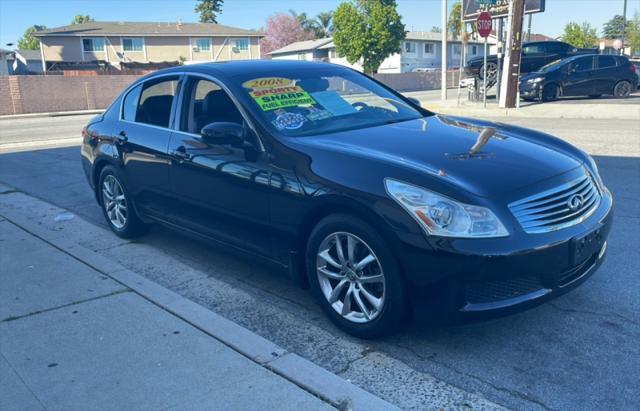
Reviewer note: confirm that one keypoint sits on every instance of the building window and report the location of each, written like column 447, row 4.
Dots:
column 429, row 48
column 474, row 50
column 202, row 45
column 242, row 44
column 456, row 49
column 91, row 45
column 135, row 44
column 409, row 47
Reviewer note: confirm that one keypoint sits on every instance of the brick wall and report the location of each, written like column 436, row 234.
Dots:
column 41, row 94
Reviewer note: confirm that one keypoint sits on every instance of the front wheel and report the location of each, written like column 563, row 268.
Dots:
column 355, row 276
column 550, row 92
column 622, row 89
column 117, row 205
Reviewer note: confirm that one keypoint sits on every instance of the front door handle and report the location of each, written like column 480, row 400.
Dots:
column 181, row 154
column 122, row 137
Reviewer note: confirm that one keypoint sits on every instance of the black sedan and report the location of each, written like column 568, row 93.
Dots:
column 534, row 55
column 382, row 207
column 590, row 75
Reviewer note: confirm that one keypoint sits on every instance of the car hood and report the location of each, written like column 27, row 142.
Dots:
column 483, row 158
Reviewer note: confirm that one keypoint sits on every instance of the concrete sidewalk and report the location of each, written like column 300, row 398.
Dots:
column 72, row 338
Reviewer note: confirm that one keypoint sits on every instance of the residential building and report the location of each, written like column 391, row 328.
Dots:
column 22, row 62
column 421, row 51
column 119, row 45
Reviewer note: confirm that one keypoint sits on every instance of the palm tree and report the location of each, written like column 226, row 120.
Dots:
column 324, row 26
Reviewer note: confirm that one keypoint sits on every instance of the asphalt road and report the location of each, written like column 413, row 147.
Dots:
column 578, row 351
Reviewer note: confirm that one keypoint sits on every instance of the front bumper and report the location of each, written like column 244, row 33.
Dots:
column 483, row 278
column 530, row 90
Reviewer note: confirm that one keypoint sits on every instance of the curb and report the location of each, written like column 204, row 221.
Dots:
column 314, row 379
column 50, row 114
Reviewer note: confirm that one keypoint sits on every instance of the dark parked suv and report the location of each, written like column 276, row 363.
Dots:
column 534, row 55
column 590, row 75
column 379, row 205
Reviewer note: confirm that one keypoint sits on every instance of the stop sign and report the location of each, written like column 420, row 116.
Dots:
column 483, row 24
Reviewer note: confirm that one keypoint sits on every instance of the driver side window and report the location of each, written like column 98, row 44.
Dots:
column 204, row 102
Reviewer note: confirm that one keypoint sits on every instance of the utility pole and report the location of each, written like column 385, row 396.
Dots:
column 624, row 25
column 512, row 59
column 443, row 76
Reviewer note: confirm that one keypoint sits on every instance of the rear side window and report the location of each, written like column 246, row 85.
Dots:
column 130, row 104
column 606, row 61
column 155, row 102
column 557, row 48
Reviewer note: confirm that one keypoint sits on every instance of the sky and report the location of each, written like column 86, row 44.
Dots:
column 419, row 15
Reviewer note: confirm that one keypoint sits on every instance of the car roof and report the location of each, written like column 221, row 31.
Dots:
column 227, row 69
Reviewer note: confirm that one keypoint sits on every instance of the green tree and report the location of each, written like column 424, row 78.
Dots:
column 581, row 36
column 613, row 28
column 307, row 24
column 324, row 26
column 368, row 30
column 27, row 41
column 209, row 10
column 436, row 29
column 454, row 25
column 633, row 34
column 79, row 19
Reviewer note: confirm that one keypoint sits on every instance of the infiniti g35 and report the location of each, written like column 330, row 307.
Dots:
column 380, row 206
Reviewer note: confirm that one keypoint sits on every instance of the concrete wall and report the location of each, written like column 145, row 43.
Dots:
column 417, row 81
column 41, row 94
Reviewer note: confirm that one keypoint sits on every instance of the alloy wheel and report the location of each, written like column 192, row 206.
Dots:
column 492, row 71
column 623, row 89
column 351, row 277
column 114, row 202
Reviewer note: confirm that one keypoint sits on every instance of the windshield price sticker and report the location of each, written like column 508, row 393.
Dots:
column 272, row 93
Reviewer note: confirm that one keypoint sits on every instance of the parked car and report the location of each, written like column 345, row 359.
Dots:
column 424, row 69
column 534, row 56
column 636, row 64
column 378, row 204
column 591, row 75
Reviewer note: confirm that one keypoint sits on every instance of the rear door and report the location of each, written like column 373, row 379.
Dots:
column 606, row 74
column 579, row 80
column 143, row 133
column 533, row 57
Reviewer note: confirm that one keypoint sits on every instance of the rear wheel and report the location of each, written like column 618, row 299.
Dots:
column 492, row 72
column 355, row 276
column 550, row 92
column 622, row 89
column 117, row 205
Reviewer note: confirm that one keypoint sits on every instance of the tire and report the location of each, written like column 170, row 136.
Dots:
column 492, row 71
column 622, row 89
column 374, row 290
column 549, row 92
column 595, row 96
column 117, row 205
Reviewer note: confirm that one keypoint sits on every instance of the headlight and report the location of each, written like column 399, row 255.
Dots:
column 440, row 215
column 535, row 80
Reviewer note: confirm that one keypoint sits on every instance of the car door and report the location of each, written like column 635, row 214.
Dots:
column 221, row 189
column 606, row 74
column 142, row 134
column 579, row 80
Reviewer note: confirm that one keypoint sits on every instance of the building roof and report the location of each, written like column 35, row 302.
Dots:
column 29, row 54
column 111, row 28
column 306, row 45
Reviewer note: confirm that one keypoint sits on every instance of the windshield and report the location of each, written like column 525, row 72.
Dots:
column 551, row 66
column 320, row 101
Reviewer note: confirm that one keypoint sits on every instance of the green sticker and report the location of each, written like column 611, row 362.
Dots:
column 282, row 97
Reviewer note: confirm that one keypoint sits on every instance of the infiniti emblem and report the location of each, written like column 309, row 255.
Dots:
column 575, row 202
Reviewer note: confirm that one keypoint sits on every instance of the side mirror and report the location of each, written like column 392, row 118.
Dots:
column 414, row 101
column 223, row 132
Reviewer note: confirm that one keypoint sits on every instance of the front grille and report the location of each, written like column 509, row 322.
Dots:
column 479, row 292
column 559, row 207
